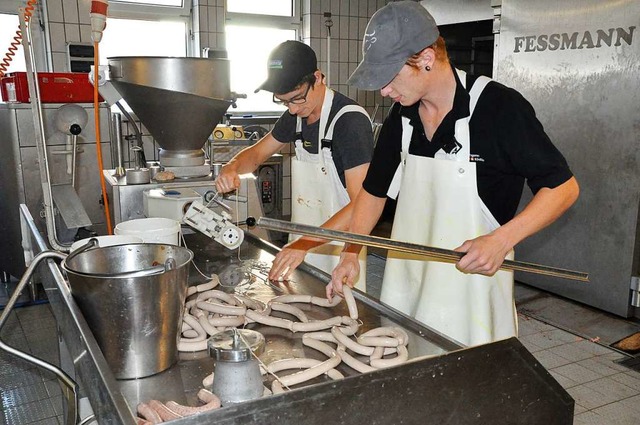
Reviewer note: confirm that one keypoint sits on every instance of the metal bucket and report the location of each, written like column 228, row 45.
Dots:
column 132, row 297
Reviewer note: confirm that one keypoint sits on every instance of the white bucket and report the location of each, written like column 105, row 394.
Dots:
column 108, row 240
column 152, row 230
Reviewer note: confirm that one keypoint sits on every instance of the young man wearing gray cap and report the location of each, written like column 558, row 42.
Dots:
column 333, row 144
column 456, row 152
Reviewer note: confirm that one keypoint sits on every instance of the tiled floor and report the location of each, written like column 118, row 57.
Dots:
column 29, row 395
column 605, row 391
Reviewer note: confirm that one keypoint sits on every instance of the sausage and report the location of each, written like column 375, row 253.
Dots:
column 354, row 363
column 207, row 397
column 269, row 320
column 149, row 414
column 208, row 380
column 402, row 357
column 317, row 370
column 383, row 336
column 214, row 293
column 351, row 344
column 322, row 336
column 316, row 325
column 378, row 341
column 189, row 333
column 227, row 321
column 290, row 309
column 163, row 411
column 204, row 322
column 191, row 346
column 351, row 302
column 308, row 299
column 349, row 326
column 209, row 285
column 389, row 331
column 227, row 310
column 189, row 411
column 253, row 304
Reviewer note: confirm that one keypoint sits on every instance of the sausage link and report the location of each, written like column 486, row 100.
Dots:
column 148, row 413
column 165, row 413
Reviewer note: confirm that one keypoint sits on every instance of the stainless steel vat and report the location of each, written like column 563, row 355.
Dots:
column 179, row 100
column 132, row 297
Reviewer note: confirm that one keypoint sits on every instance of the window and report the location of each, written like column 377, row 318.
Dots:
column 261, row 7
column 147, row 28
column 134, row 37
column 248, row 49
column 174, row 3
column 253, row 29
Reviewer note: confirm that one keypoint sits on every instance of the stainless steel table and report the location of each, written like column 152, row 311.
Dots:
column 494, row 383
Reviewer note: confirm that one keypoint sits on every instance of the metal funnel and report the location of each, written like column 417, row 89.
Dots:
column 179, row 100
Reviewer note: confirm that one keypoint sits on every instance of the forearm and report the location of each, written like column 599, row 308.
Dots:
column 366, row 213
column 545, row 207
column 339, row 221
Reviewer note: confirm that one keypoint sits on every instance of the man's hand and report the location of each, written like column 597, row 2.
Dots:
column 286, row 262
column 345, row 272
column 228, row 179
column 484, row 254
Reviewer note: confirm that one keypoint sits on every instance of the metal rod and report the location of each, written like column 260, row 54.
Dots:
column 40, row 138
column 74, row 152
column 69, row 386
column 117, row 127
column 438, row 254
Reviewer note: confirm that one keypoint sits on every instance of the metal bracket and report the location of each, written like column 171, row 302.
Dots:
column 635, row 291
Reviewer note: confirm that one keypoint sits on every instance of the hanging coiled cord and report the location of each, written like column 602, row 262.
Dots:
column 17, row 39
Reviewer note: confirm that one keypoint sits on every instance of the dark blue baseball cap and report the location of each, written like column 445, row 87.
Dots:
column 287, row 66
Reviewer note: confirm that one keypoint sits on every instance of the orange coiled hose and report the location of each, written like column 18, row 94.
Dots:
column 17, row 39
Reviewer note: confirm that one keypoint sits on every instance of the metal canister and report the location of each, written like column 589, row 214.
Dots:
column 237, row 375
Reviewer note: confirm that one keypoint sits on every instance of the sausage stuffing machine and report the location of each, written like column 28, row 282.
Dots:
column 442, row 382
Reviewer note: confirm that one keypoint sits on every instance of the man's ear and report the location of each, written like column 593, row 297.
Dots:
column 427, row 57
column 319, row 77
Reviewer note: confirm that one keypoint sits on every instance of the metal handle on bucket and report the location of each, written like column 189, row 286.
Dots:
column 68, row 385
column 90, row 244
column 155, row 270
column 159, row 269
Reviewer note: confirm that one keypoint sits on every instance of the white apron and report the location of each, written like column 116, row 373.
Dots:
column 439, row 206
column 317, row 192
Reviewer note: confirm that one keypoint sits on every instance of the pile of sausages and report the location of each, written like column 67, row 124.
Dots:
column 212, row 311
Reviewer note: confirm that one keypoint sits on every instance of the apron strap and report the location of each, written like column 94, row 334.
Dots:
column 324, row 117
column 476, row 91
column 328, row 137
column 407, row 131
column 461, row 133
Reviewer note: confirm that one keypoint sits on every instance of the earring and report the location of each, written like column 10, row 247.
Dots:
column 427, row 68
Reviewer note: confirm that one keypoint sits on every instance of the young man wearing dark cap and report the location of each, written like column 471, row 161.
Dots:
column 333, row 144
column 456, row 151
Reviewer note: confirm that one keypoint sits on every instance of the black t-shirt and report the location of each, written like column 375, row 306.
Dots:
column 352, row 143
column 508, row 144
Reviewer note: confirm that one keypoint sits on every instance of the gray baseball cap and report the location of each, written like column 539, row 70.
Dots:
column 395, row 32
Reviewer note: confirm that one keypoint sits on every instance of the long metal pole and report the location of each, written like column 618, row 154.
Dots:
column 438, row 254
column 40, row 138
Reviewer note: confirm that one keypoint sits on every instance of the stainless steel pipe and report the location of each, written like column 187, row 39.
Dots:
column 437, row 254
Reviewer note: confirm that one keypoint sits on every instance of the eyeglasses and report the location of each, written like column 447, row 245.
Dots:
column 295, row 101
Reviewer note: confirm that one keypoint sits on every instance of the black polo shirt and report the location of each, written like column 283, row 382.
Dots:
column 508, row 144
